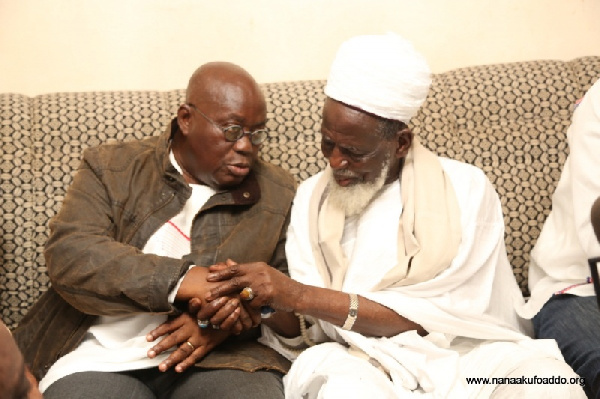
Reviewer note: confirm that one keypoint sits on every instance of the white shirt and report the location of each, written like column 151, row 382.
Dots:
column 567, row 240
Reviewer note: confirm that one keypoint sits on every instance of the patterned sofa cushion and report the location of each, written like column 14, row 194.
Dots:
column 511, row 121
column 508, row 119
column 19, row 270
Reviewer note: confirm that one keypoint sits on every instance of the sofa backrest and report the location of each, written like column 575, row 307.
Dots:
column 511, row 121
column 508, row 119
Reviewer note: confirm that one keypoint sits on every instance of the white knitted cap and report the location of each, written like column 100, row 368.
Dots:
column 381, row 74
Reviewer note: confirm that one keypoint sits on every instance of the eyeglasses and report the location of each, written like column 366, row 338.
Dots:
column 235, row 132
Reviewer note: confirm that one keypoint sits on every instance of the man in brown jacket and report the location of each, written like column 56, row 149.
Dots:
column 130, row 246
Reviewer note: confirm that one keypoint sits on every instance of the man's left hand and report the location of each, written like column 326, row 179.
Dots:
column 269, row 286
column 193, row 343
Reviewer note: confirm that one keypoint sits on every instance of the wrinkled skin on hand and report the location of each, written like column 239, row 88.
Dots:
column 270, row 286
column 228, row 311
column 225, row 315
column 176, row 333
column 230, row 314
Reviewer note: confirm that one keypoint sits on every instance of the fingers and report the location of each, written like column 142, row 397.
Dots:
column 231, row 322
column 189, row 361
column 221, row 265
column 164, row 344
column 227, row 314
column 249, row 316
column 226, row 317
column 218, row 267
column 237, row 327
column 192, row 350
column 182, row 358
column 233, row 286
column 194, row 306
column 220, row 274
column 209, row 309
column 165, row 328
column 180, row 329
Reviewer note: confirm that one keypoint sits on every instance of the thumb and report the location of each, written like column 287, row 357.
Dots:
column 194, row 306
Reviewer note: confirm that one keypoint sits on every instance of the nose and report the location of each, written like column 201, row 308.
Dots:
column 244, row 145
column 337, row 160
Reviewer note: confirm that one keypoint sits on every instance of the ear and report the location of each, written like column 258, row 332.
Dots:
column 405, row 139
column 183, row 118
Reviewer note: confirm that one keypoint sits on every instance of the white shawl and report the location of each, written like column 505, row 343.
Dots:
column 428, row 233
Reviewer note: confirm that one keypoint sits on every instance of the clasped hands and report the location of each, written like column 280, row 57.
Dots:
column 221, row 310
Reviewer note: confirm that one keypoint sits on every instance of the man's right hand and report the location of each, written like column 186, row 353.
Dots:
column 193, row 285
column 225, row 313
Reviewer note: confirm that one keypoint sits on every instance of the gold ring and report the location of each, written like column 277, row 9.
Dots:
column 191, row 345
column 247, row 294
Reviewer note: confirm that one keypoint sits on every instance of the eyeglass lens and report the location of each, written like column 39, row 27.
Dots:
column 234, row 133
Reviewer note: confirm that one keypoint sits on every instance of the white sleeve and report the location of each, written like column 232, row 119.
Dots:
column 584, row 161
column 173, row 292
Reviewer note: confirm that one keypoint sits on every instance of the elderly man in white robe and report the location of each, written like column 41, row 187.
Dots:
column 400, row 284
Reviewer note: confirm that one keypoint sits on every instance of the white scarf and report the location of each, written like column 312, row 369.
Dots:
column 429, row 231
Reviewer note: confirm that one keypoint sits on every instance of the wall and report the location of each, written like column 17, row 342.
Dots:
column 81, row 45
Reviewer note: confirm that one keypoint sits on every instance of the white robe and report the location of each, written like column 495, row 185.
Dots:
column 559, row 258
column 468, row 310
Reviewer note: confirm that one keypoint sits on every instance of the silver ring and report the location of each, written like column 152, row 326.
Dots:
column 266, row 312
column 203, row 323
column 215, row 326
column 247, row 294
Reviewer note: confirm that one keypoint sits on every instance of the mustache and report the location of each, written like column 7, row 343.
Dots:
column 344, row 173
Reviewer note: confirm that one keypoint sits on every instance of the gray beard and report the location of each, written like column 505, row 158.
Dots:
column 354, row 199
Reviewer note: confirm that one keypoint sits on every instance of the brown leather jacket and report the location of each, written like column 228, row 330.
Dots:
column 121, row 194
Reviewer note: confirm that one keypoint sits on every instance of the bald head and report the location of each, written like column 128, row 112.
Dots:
column 220, row 96
column 219, row 80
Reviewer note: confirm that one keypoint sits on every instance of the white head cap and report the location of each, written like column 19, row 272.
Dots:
column 381, row 74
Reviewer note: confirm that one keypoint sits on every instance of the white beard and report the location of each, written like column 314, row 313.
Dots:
column 354, row 199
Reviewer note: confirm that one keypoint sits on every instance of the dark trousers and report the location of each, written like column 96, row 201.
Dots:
column 574, row 322
column 153, row 384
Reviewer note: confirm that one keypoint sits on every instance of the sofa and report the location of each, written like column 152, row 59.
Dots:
column 508, row 119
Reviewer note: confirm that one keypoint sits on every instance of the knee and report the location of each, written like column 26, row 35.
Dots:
column 567, row 317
